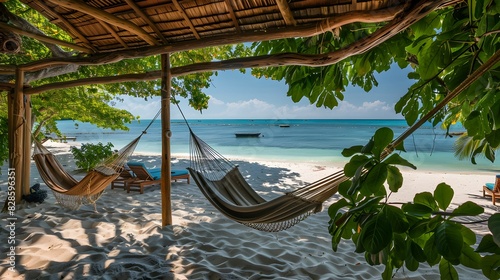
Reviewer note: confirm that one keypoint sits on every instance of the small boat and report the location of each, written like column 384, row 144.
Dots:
column 284, row 125
column 247, row 134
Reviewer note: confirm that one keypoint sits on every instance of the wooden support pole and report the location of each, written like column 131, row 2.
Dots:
column 166, row 181
column 26, row 159
column 17, row 147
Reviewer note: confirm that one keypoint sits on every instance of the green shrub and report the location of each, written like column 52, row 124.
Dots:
column 89, row 155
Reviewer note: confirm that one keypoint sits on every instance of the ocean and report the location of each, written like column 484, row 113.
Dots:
column 308, row 140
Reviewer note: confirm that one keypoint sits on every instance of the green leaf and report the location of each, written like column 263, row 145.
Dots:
column 401, row 147
column 366, row 203
column 493, row 138
column 473, row 123
column 469, row 258
column 375, row 178
column 468, row 208
column 396, row 159
column 449, row 240
column 431, row 59
column 394, row 178
column 430, row 250
column 387, row 274
column 417, row 209
column 376, row 234
column 336, row 206
column 490, row 266
column 447, row 271
column 356, row 162
column 494, row 226
column 417, row 252
column 425, row 198
column 469, row 235
column 344, row 188
column 443, row 195
column 351, row 151
column 383, row 137
column 410, row 262
column 367, row 149
column 488, row 245
column 398, row 219
column 419, row 228
column 399, row 248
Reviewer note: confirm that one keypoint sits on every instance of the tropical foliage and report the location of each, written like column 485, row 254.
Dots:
column 422, row 231
column 90, row 155
column 441, row 49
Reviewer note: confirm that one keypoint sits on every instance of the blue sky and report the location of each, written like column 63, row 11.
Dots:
column 234, row 95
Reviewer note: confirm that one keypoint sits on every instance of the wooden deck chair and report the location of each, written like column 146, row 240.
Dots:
column 148, row 177
column 126, row 176
column 492, row 189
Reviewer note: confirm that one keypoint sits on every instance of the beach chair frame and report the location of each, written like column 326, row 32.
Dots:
column 144, row 179
column 493, row 192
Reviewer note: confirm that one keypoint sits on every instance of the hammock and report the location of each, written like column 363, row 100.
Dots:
column 223, row 185
column 71, row 193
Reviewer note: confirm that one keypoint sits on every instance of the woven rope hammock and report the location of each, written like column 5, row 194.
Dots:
column 71, row 193
column 223, row 185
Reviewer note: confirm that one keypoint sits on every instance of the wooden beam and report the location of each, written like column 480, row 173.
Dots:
column 67, row 24
column 6, row 86
column 314, row 60
column 286, row 12
column 298, row 31
column 107, row 17
column 146, row 18
column 43, row 38
column 233, row 15
column 187, row 19
column 166, row 180
column 113, row 33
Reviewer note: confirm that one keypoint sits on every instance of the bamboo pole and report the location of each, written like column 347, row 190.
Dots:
column 26, row 159
column 166, row 182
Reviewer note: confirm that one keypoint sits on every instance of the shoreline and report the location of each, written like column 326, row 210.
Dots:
column 125, row 239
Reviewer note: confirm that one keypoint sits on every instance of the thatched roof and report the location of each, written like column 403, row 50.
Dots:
column 111, row 25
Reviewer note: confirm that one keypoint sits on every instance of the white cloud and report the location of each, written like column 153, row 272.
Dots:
column 258, row 109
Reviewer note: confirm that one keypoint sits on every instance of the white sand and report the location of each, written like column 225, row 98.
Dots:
column 125, row 239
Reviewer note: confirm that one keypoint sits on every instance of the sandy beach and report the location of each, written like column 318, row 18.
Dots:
column 124, row 239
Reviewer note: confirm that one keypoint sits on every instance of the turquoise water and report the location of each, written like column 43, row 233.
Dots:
column 303, row 140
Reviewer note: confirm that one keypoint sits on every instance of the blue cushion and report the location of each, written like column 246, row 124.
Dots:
column 490, row 186
column 135, row 163
column 178, row 172
column 156, row 172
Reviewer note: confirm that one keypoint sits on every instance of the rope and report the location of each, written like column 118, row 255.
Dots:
column 152, row 121
column 182, row 113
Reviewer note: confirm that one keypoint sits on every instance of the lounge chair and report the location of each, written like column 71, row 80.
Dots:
column 147, row 177
column 492, row 189
column 126, row 176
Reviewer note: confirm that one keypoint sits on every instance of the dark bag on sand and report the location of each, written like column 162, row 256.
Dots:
column 36, row 194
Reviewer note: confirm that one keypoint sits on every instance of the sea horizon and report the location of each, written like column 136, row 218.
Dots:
column 309, row 140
